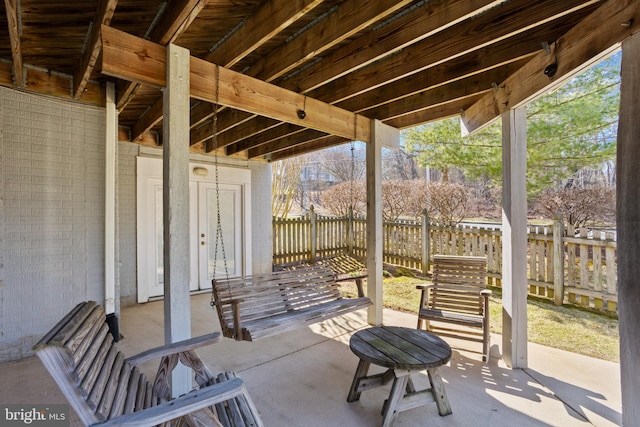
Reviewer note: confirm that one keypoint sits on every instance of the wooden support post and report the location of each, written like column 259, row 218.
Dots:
column 111, row 297
column 628, row 221
column 175, row 181
column 374, row 224
column 514, row 233
column 426, row 242
column 558, row 260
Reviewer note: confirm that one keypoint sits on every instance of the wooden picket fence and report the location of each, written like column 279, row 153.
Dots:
column 563, row 265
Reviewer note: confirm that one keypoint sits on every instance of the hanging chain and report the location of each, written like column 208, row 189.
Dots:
column 219, row 237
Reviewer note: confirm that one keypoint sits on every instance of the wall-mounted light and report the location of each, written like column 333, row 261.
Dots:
column 200, row 171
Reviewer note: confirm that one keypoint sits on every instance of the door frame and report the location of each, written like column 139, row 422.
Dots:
column 151, row 167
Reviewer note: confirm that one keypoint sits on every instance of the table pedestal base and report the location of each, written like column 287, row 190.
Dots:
column 403, row 394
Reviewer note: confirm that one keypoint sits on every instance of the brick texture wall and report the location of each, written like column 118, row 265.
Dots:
column 261, row 226
column 51, row 214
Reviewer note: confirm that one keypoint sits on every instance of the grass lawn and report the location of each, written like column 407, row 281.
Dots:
column 566, row 327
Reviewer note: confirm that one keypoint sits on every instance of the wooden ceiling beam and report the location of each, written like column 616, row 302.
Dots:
column 174, row 21
column 45, row 83
column 148, row 120
column 316, row 145
column 484, row 30
column 285, row 143
column 512, row 49
column 437, row 112
column 524, row 45
column 272, row 134
column 11, row 9
column 414, row 26
column 251, row 127
column 273, row 17
column 512, row 42
column 350, row 17
column 132, row 58
column 458, row 89
column 585, row 44
column 104, row 13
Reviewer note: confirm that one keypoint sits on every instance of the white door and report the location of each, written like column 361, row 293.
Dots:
column 203, row 225
column 219, row 253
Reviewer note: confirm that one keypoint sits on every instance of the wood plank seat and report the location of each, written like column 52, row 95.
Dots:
column 262, row 305
column 457, row 295
column 107, row 389
column 344, row 267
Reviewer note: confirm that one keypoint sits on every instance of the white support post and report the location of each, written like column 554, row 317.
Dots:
column 110, row 185
column 175, row 180
column 628, row 221
column 514, row 238
column 374, row 224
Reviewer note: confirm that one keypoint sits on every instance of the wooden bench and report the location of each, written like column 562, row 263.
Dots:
column 344, row 267
column 262, row 305
column 458, row 295
column 107, row 389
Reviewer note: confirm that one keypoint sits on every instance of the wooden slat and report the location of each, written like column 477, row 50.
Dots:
column 118, row 370
column 133, row 391
column 92, row 366
column 93, row 352
column 70, row 328
column 84, row 336
column 120, row 395
column 103, row 376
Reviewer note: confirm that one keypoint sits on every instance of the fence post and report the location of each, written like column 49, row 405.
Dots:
column 558, row 260
column 313, row 234
column 425, row 242
column 350, row 231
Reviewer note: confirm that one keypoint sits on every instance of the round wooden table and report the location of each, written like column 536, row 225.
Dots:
column 403, row 351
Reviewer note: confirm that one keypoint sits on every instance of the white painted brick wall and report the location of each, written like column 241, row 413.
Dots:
column 127, row 153
column 261, row 222
column 52, row 214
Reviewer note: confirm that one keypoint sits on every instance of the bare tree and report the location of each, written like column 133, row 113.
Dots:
column 340, row 197
column 579, row 206
column 396, row 199
column 344, row 162
column 285, row 179
column 448, row 202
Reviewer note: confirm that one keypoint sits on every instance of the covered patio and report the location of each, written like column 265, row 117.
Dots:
column 118, row 119
column 303, row 377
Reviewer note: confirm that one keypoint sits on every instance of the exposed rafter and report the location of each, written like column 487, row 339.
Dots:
column 415, row 25
column 586, row 43
column 273, row 17
column 11, row 8
column 175, row 20
column 104, row 13
column 421, row 64
column 135, row 59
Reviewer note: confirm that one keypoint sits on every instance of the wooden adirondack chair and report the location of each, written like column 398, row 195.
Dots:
column 457, row 296
column 107, row 389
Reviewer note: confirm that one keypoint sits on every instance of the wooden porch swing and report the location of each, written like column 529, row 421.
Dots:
column 262, row 305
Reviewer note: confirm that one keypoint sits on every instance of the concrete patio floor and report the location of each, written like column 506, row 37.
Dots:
column 302, row 378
